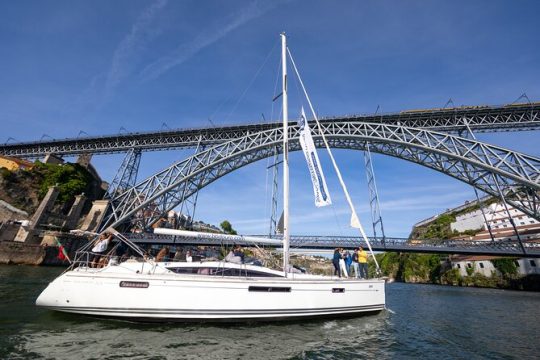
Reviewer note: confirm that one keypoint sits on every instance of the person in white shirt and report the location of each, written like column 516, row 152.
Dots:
column 342, row 266
column 100, row 246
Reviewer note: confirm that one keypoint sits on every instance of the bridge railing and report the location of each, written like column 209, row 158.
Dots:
column 395, row 244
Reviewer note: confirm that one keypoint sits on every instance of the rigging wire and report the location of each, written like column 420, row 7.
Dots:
column 298, row 93
column 218, row 108
column 338, row 172
column 302, row 101
column 339, row 226
column 251, row 82
column 268, row 205
column 273, row 205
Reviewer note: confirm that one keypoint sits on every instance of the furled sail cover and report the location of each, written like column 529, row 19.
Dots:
column 320, row 190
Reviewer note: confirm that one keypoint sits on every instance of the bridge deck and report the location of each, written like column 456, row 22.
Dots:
column 480, row 119
column 495, row 248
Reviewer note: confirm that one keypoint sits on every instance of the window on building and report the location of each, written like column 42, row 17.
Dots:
column 505, row 225
column 532, row 221
column 516, row 262
column 469, row 265
column 481, row 265
column 533, row 263
column 522, row 223
column 458, row 266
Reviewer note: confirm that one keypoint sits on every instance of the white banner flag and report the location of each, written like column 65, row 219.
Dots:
column 355, row 222
column 320, row 190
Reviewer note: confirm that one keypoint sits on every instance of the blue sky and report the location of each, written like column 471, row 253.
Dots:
column 97, row 66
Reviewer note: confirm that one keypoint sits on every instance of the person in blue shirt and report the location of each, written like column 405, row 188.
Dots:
column 348, row 261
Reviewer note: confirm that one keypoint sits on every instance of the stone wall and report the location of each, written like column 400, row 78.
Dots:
column 12, row 252
column 9, row 212
column 71, row 244
column 8, row 231
column 46, row 253
column 473, row 220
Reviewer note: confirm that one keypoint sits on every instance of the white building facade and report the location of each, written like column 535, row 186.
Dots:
column 499, row 221
column 482, row 265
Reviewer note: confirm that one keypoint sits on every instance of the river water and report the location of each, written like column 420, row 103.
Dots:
column 426, row 321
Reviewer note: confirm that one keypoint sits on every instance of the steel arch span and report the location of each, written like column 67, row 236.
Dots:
column 470, row 161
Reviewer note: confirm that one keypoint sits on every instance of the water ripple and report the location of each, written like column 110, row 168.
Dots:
column 425, row 321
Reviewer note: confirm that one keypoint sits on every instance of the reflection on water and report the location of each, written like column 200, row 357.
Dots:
column 78, row 337
column 426, row 321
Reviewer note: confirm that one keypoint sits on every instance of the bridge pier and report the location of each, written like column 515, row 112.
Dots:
column 52, row 159
column 75, row 212
column 95, row 216
column 84, row 160
column 30, row 233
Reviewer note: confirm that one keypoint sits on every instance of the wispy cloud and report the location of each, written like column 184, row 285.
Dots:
column 186, row 50
column 127, row 54
column 125, row 59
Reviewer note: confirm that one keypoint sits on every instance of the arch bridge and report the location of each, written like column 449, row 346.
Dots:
column 469, row 161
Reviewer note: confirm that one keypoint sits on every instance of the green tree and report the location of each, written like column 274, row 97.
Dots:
column 227, row 227
column 389, row 263
column 71, row 179
column 451, row 277
column 506, row 266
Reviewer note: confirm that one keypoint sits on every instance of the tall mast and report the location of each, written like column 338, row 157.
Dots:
column 286, row 234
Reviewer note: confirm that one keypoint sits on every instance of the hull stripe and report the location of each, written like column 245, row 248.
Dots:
column 134, row 312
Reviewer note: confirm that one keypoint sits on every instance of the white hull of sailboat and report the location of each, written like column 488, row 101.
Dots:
column 180, row 297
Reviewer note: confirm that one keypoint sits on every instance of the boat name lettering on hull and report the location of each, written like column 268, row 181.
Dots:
column 134, row 284
column 269, row 289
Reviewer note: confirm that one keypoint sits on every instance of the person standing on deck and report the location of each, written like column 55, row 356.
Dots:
column 342, row 266
column 362, row 263
column 335, row 262
column 99, row 249
column 348, row 261
column 355, row 263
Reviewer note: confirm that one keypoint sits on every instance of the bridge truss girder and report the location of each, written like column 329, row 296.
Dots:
column 467, row 160
column 479, row 119
column 126, row 175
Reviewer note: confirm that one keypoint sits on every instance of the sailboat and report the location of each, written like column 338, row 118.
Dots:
column 144, row 289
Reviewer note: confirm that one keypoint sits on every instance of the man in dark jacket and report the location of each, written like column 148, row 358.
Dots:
column 335, row 262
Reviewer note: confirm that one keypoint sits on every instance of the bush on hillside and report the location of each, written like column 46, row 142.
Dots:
column 71, row 179
column 506, row 266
